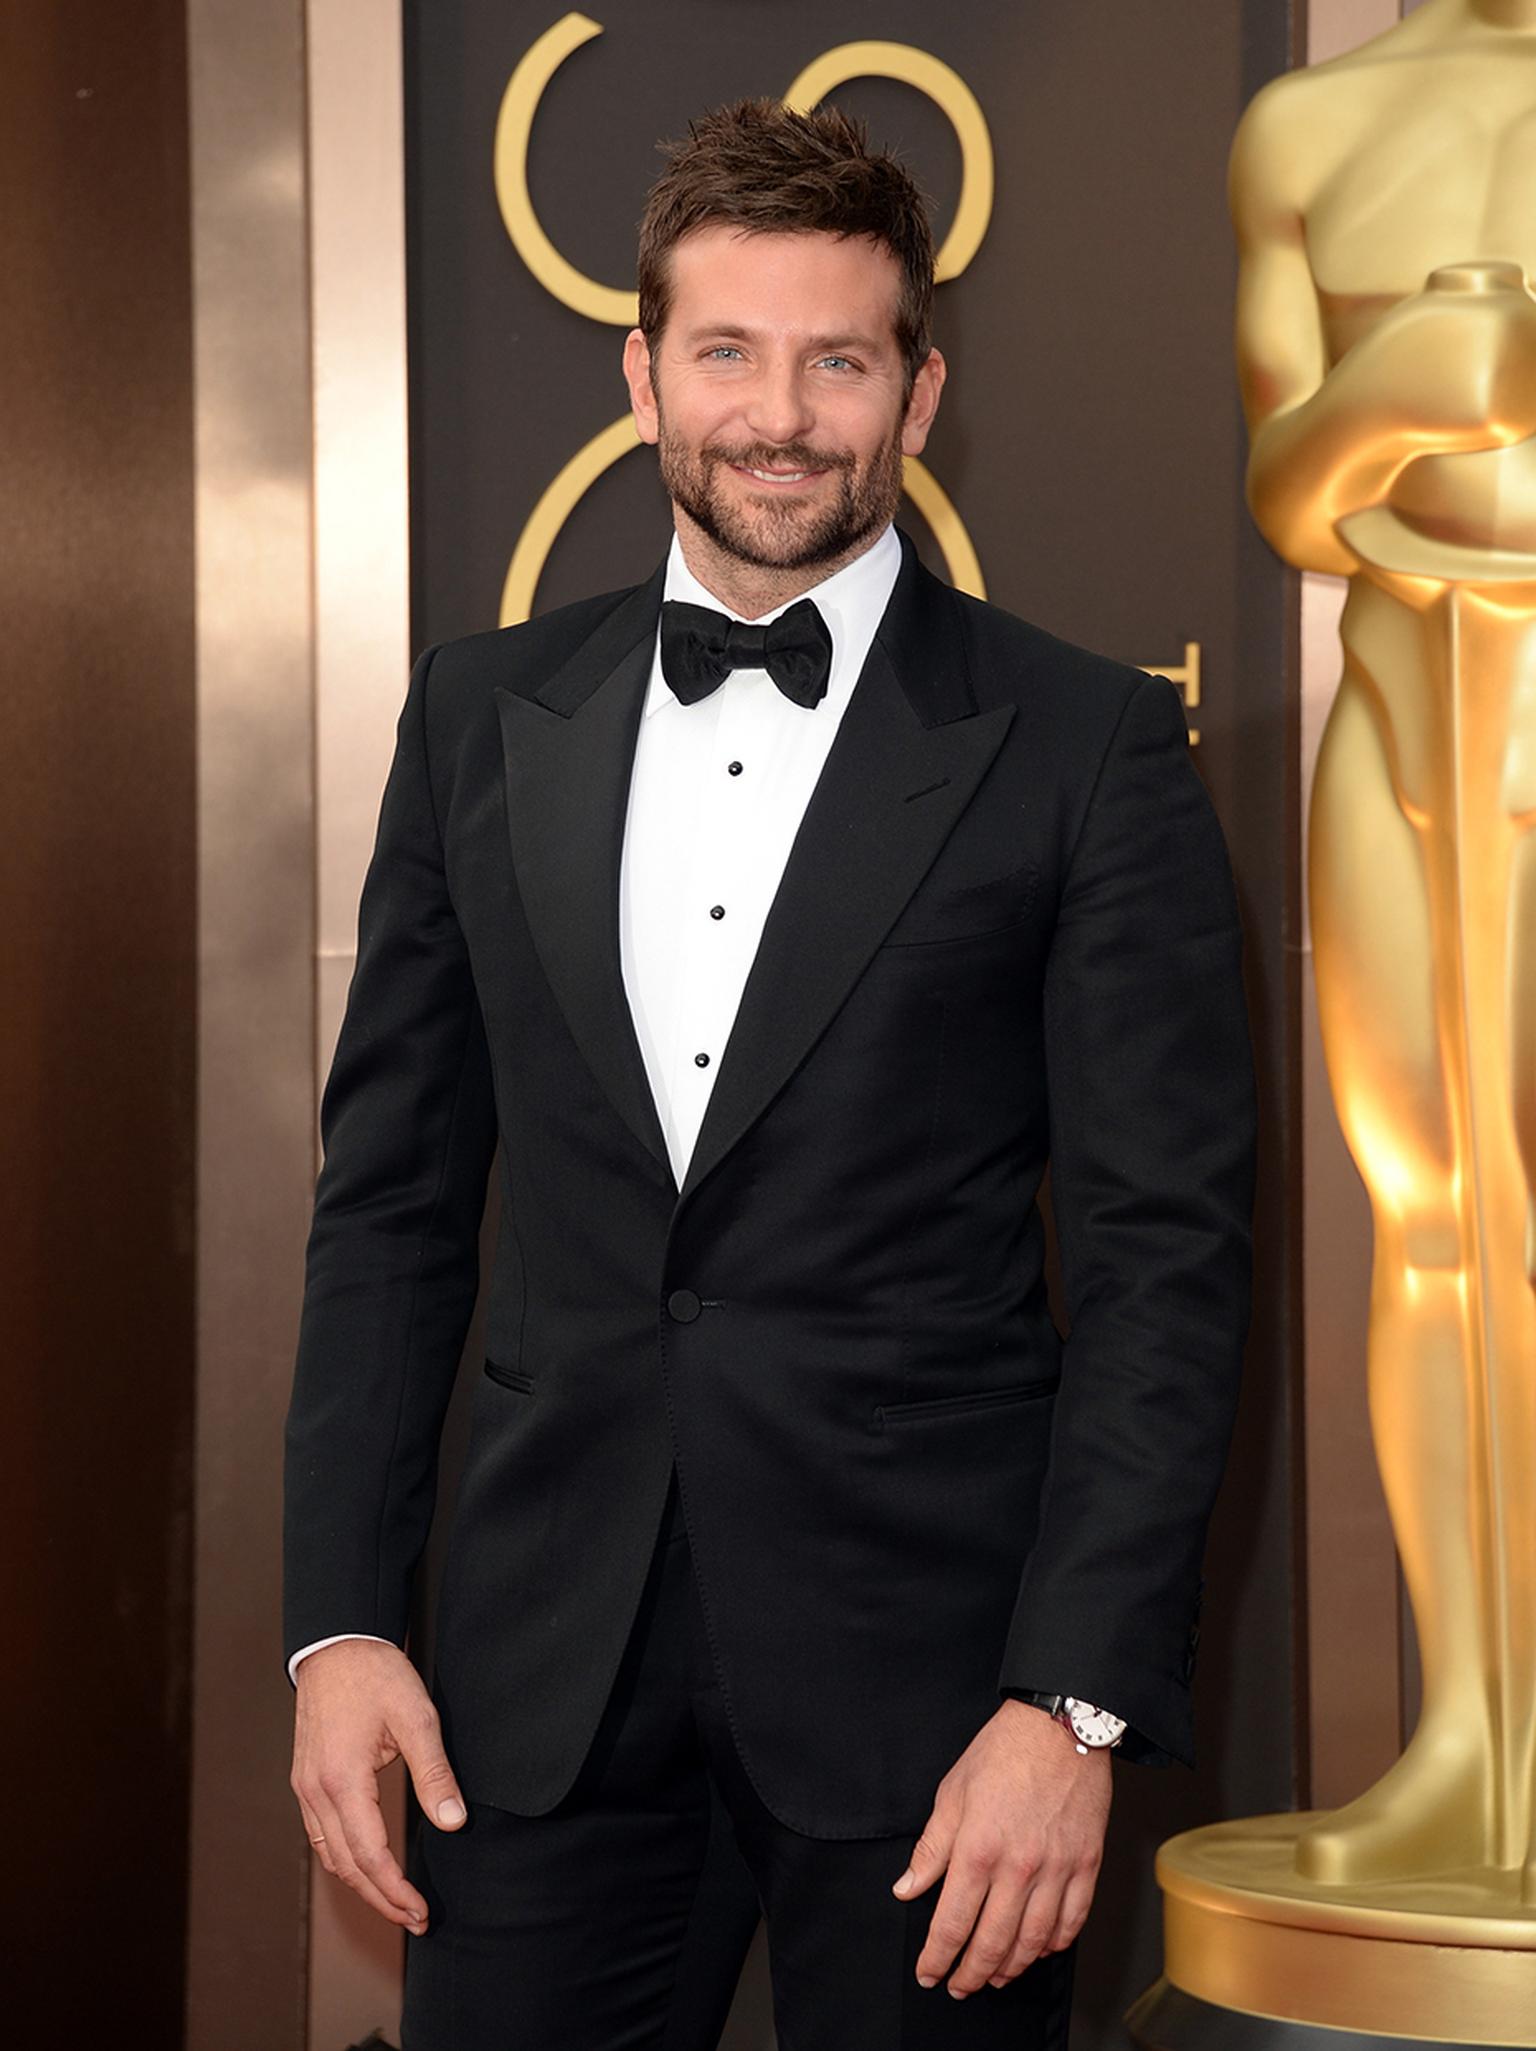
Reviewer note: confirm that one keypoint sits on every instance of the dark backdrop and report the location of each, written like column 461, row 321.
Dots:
column 1091, row 439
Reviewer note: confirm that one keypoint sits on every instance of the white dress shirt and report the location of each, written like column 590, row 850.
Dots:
column 716, row 796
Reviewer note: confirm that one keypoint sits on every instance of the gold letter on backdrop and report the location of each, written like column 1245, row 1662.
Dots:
column 514, row 128
column 1387, row 339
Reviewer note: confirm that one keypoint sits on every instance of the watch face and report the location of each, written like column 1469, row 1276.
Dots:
column 1094, row 1726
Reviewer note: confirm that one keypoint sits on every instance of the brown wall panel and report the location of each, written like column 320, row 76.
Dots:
column 97, row 1016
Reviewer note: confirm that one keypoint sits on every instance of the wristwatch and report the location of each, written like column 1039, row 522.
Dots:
column 1089, row 1725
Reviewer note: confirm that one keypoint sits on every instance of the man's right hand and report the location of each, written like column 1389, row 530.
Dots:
column 360, row 1706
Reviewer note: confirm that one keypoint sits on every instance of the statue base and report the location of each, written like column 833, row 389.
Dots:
column 1258, row 1958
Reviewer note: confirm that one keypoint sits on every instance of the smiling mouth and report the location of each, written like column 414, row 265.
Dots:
column 774, row 476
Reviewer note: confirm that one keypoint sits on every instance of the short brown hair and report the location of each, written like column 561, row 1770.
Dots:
column 764, row 169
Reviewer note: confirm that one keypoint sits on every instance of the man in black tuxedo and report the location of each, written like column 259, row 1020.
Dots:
column 779, row 917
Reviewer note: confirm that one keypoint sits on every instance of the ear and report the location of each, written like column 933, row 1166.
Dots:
column 923, row 404
column 642, row 395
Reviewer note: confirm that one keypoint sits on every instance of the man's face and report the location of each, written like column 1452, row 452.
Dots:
column 776, row 396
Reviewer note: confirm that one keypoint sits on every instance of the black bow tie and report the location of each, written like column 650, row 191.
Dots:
column 700, row 648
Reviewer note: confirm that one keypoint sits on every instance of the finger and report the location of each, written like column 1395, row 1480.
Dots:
column 316, row 1836
column 993, row 1939
column 930, row 1856
column 964, row 1890
column 366, row 1844
column 343, row 1867
column 1041, row 1914
column 431, row 1776
column 1076, row 1900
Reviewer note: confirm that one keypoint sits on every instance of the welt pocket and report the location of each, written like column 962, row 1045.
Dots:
column 967, row 911
column 977, row 1399
column 509, row 1377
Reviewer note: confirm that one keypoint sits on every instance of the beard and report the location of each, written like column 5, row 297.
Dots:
column 774, row 533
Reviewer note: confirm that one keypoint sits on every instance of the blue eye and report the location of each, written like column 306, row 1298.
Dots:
column 724, row 349
column 845, row 361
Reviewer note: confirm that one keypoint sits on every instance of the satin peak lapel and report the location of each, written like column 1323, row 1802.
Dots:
column 568, row 753
column 907, row 758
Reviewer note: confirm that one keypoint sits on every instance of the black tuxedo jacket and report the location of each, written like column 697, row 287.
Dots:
column 1007, row 929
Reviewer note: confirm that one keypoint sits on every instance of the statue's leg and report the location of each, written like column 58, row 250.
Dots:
column 1522, row 1078
column 1385, row 929
column 1522, row 1019
column 1498, row 645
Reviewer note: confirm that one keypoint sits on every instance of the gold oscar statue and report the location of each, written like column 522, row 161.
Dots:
column 1385, row 205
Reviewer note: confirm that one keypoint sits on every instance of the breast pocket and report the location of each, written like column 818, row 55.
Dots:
column 942, row 908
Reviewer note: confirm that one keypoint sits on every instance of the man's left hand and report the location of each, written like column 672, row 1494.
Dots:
column 1018, row 1822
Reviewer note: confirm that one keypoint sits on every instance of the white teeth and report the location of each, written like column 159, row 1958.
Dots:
column 781, row 476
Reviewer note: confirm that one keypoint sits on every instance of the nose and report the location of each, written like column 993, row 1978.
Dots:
column 778, row 408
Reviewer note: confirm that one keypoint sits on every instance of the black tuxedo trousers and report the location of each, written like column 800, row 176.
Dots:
column 1006, row 933
column 619, row 1919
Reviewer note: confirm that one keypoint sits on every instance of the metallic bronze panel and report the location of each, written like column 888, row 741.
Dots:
column 246, row 1979
column 1334, row 26
column 98, row 971
column 362, row 659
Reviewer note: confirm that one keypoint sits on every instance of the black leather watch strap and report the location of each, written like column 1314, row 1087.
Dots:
column 1053, row 1705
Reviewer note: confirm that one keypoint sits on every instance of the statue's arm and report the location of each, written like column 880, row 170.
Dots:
column 1439, row 372
column 1281, row 353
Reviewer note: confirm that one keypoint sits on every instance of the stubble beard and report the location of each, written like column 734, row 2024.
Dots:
column 782, row 535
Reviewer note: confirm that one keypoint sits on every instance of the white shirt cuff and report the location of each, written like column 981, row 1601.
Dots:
column 320, row 1644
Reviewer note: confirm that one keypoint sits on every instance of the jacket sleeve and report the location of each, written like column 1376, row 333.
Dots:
column 1152, row 1107
column 408, row 1127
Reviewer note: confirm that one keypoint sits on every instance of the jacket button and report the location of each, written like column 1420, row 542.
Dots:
column 683, row 1306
